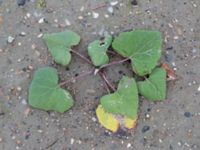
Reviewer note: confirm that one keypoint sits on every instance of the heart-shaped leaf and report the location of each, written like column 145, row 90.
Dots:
column 97, row 51
column 45, row 93
column 124, row 101
column 112, row 122
column 142, row 47
column 154, row 88
column 59, row 45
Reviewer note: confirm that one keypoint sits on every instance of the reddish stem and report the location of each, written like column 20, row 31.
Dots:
column 98, row 6
column 107, row 82
column 105, row 85
column 76, row 78
column 81, row 56
column 114, row 63
column 114, row 53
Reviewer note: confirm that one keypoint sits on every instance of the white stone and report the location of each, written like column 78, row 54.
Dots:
column 198, row 88
column 72, row 141
column 110, row 10
column 10, row 39
column 24, row 102
column 67, row 22
column 113, row 3
column 128, row 145
column 40, row 35
column 28, row 15
column 95, row 15
column 41, row 20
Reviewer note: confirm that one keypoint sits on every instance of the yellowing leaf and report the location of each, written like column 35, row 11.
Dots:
column 124, row 101
column 107, row 119
column 130, row 123
column 112, row 122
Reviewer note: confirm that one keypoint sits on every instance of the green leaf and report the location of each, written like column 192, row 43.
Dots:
column 124, row 101
column 45, row 93
column 97, row 51
column 59, row 45
column 142, row 47
column 154, row 88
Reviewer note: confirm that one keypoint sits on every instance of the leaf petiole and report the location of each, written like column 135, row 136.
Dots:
column 76, row 78
column 107, row 81
column 81, row 56
column 114, row 63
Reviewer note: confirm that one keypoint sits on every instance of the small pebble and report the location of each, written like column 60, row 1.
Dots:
column 37, row 53
column 94, row 119
column 194, row 82
column 21, row 2
column 134, row 2
column 157, row 110
column 40, row 131
column 145, row 129
column 41, row 20
column 194, row 50
column 72, row 141
column 128, row 145
column 40, row 35
column 110, row 10
column 19, row 43
column 19, row 88
column 170, row 25
column 33, row 46
column 95, row 15
column 24, row 102
column 147, row 116
column 13, row 137
column 179, row 144
column 198, row 89
column 56, row 20
column 18, row 142
column 187, row 114
column 186, row 144
column 113, row 3
column 160, row 140
column 67, row 22
column 176, row 37
column 82, row 8
column 28, row 15
column 79, row 141
column 22, row 34
column 173, row 64
column 30, row 67
column 106, row 16
column 80, row 17
column 27, row 111
column 10, row 39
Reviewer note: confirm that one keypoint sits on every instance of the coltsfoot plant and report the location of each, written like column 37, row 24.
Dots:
column 116, row 109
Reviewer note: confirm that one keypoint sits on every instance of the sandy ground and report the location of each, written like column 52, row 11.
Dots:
column 170, row 125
